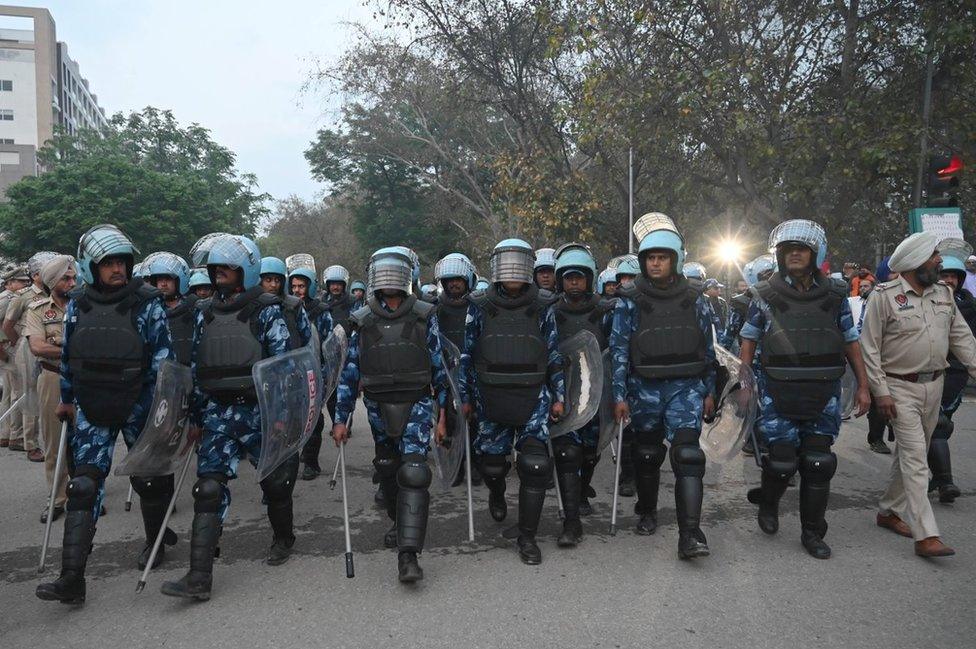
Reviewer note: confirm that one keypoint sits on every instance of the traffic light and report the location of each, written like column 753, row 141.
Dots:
column 942, row 181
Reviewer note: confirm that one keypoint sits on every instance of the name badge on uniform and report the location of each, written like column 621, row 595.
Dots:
column 902, row 301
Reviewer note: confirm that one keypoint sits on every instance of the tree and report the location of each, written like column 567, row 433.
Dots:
column 164, row 185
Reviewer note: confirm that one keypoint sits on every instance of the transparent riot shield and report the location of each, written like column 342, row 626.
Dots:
column 735, row 412
column 608, row 427
column 583, row 372
column 334, row 349
column 848, row 388
column 449, row 455
column 290, row 398
column 162, row 445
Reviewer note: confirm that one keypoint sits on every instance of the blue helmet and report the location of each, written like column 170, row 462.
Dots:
column 801, row 232
column 575, row 257
column 607, row 275
column 308, row 274
column 335, row 273
column 391, row 268
column 952, row 264
column 236, row 251
column 168, row 264
column 761, row 265
column 428, row 292
column 198, row 253
column 357, row 285
column 512, row 260
column 455, row 265
column 273, row 266
column 664, row 240
column 694, row 270
column 198, row 277
column 545, row 258
column 629, row 265
column 103, row 241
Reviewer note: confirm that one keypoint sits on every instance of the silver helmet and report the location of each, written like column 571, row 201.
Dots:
column 803, row 232
column 335, row 273
column 512, row 260
column 545, row 258
column 390, row 268
column 455, row 265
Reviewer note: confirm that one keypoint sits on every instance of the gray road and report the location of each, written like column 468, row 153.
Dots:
column 625, row 591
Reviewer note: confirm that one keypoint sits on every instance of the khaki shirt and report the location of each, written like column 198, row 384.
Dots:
column 908, row 333
column 45, row 319
column 18, row 306
column 5, row 297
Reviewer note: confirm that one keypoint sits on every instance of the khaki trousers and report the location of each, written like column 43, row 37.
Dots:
column 28, row 415
column 5, row 401
column 907, row 497
column 49, row 396
column 13, row 425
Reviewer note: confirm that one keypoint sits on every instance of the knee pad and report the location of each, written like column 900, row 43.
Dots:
column 817, row 463
column 782, row 461
column 281, row 482
column 944, row 428
column 590, row 457
column 649, row 450
column 82, row 493
column 494, row 467
column 414, row 472
column 208, row 492
column 568, row 456
column 534, row 464
column 386, row 462
column 156, row 488
column 687, row 458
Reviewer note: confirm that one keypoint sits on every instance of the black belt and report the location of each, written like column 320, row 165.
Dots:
column 917, row 377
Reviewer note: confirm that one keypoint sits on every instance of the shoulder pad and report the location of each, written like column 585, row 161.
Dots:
column 359, row 315
column 545, row 297
column 288, row 301
column 695, row 283
column 607, row 304
column 205, row 304
column 148, row 292
column 838, row 287
column 479, row 297
column 423, row 309
column 886, row 286
column 76, row 292
column 37, row 301
column 630, row 291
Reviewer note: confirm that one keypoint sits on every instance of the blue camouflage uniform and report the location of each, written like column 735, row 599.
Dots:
column 773, row 427
column 232, row 431
column 94, row 445
column 494, row 438
column 655, row 403
column 416, row 435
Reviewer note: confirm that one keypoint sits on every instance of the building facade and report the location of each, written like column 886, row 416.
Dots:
column 41, row 88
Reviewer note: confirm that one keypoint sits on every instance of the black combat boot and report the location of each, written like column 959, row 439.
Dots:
column 69, row 588
column 198, row 582
column 153, row 513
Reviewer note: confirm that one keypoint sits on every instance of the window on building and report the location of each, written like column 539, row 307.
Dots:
column 6, row 85
column 6, row 140
column 6, row 115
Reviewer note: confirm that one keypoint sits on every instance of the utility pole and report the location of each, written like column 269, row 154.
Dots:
column 630, row 199
column 926, row 114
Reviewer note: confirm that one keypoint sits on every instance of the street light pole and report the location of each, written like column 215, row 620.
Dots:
column 630, row 199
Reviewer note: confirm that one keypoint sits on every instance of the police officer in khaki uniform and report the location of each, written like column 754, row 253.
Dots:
column 910, row 326
column 23, row 437
column 15, row 279
column 44, row 330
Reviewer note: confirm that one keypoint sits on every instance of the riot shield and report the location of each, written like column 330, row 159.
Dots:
column 608, row 427
column 334, row 349
column 848, row 388
column 290, row 398
column 162, row 444
column 449, row 455
column 735, row 413
column 30, row 369
column 583, row 372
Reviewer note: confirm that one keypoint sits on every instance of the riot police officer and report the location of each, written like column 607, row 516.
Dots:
column 607, row 283
column 664, row 378
column 578, row 308
column 358, row 292
column 953, row 273
column 544, row 269
column 804, row 322
column 199, row 283
column 115, row 337
column 239, row 326
column 170, row 274
column 514, row 381
column 395, row 355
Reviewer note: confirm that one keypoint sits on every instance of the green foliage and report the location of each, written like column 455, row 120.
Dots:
column 163, row 184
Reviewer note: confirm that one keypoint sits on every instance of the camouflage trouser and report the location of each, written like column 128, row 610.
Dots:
column 588, row 436
column 494, row 438
column 671, row 404
column 92, row 445
column 415, row 439
column 229, row 433
column 778, row 429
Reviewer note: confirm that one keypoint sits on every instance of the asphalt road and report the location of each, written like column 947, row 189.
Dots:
column 622, row 591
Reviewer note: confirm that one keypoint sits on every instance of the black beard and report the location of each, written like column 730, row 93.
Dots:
column 927, row 276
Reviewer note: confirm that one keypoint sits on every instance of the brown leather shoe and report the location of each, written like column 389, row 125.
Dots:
column 16, row 446
column 4, row 443
column 35, row 455
column 895, row 524
column 933, row 547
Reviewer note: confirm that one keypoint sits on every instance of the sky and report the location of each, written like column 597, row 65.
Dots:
column 233, row 66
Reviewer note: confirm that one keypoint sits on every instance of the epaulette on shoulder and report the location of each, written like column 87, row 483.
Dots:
column 887, row 286
column 38, row 301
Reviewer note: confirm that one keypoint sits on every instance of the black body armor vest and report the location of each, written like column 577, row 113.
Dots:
column 181, row 320
column 451, row 317
column 341, row 310
column 966, row 304
column 668, row 342
column 290, row 307
column 572, row 318
column 511, row 357
column 229, row 346
column 108, row 357
column 394, row 362
column 803, row 350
